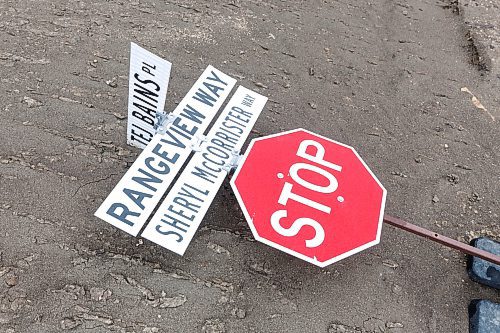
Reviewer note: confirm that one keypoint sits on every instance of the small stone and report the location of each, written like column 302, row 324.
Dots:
column 69, row 323
column 172, row 302
column 239, row 313
column 393, row 325
column 123, row 152
column 453, row 178
column 435, row 199
column 119, row 116
column 218, row 249
column 337, row 327
column 396, row 289
column 112, row 83
column 99, row 294
column 261, row 267
column 32, row 103
column 390, row 263
column 474, row 197
column 151, row 329
column 214, row 326
column 260, row 85
column 73, row 291
column 313, row 105
column 11, row 280
column 399, row 173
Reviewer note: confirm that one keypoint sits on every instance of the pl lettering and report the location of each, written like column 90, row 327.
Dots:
column 145, row 103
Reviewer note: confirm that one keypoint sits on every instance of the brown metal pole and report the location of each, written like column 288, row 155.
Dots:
column 446, row 241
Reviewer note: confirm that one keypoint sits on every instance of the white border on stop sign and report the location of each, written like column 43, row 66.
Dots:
column 287, row 250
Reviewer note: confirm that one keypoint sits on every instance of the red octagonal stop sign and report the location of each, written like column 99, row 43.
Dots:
column 309, row 196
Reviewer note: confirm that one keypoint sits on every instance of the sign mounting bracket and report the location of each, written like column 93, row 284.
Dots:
column 163, row 119
column 233, row 163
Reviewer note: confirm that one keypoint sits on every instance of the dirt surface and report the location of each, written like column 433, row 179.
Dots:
column 385, row 77
column 482, row 19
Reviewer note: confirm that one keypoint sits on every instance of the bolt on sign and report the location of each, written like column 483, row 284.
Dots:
column 315, row 198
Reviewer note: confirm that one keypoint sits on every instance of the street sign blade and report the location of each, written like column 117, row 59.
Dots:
column 134, row 198
column 147, row 90
column 179, row 215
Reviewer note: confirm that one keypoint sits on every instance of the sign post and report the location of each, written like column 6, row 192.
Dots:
column 443, row 240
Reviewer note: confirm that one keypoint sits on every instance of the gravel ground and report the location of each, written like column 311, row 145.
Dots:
column 395, row 80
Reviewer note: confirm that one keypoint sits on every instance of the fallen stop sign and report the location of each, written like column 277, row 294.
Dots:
column 309, row 196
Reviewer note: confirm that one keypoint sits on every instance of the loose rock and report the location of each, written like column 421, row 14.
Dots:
column 214, row 326
column 218, row 249
column 11, row 280
column 394, row 325
column 69, row 323
column 239, row 313
column 99, row 294
column 112, row 83
column 32, row 103
column 453, row 178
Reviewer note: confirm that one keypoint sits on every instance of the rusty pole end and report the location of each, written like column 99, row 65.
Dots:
column 446, row 241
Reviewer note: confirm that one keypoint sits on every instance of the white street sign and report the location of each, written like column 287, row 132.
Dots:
column 147, row 91
column 179, row 215
column 131, row 202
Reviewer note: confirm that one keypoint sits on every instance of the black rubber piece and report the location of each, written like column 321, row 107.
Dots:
column 483, row 271
column 484, row 317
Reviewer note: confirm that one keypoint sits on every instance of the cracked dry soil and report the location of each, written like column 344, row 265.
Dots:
column 384, row 77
